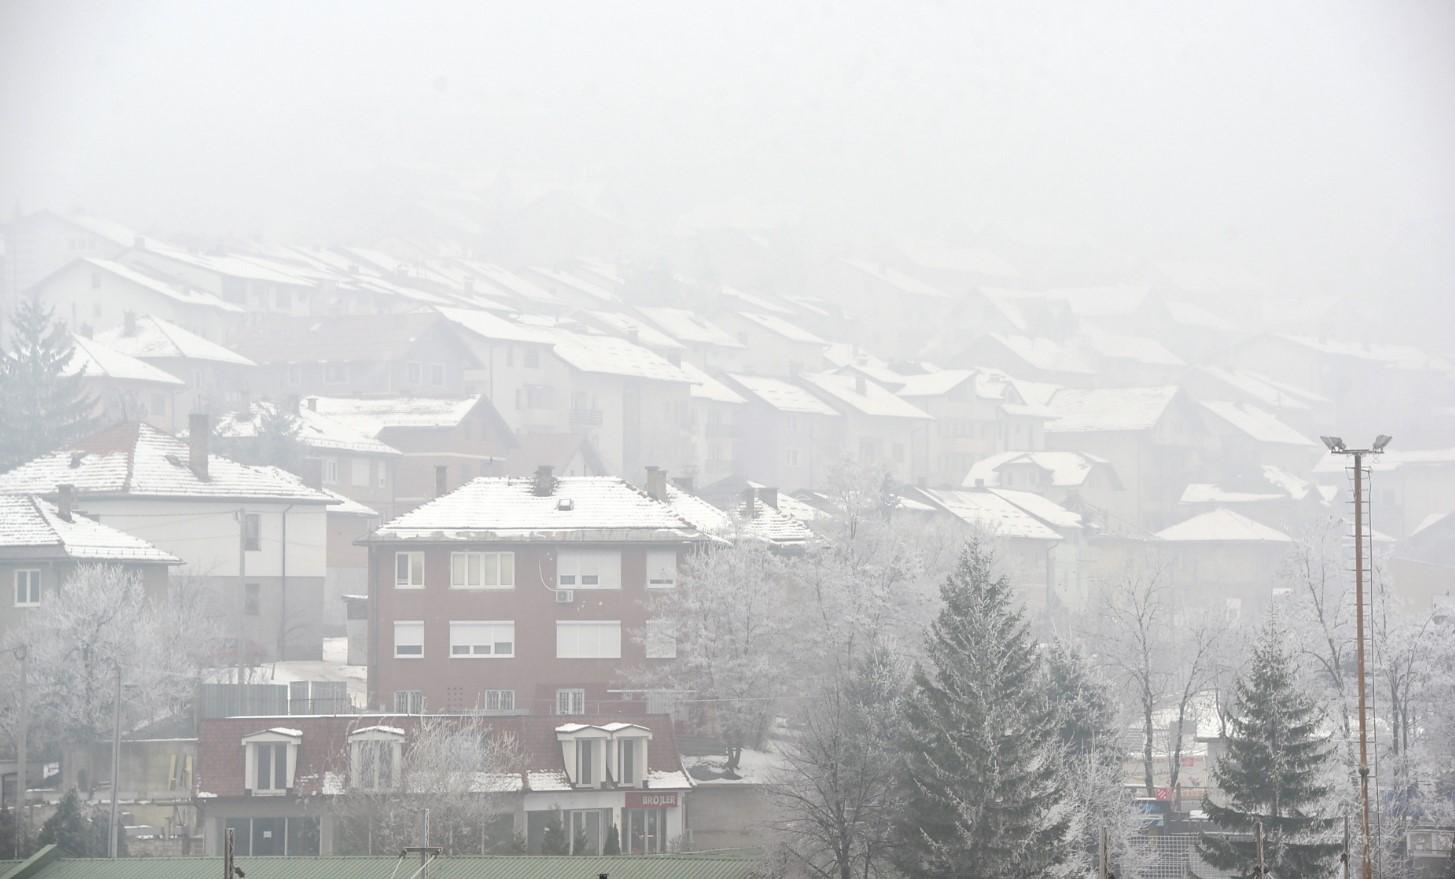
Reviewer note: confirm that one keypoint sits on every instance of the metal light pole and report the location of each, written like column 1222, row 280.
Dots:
column 111, row 844
column 1337, row 447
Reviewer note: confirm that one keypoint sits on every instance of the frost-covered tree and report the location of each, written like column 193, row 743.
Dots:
column 838, row 792
column 78, row 834
column 1276, row 770
column 42, row 407
column 985, row 796
column 274, row 441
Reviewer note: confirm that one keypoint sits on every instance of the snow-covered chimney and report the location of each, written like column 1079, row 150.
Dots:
column 769, row 496
column 199, row 431
column 441, row 480
column 312, row 404
column 65, row 500
column 657, row 483
column 545, row 484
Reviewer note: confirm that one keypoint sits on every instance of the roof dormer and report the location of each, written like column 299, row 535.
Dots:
column 270, row 761
column 375, row 755
column 605, row 755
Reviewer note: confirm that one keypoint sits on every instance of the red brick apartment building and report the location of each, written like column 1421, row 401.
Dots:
column 523, row 595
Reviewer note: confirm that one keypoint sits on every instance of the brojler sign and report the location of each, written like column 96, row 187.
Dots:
column 651, row 800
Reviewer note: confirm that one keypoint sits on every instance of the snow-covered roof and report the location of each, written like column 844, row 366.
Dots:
column 1080, row 410
column 136, row 459
column 112, row 231
column 968, row 260
column 764, row 522
column 95, row 360
column 314, row 429
column 1067, row 469
column 347, row 506
column 705, row 387
column 1390, row 460
column 1108, row 300
column 508, row 508
column 775, row 324
column 487, row 325
column 153, row 337
column 864, row 397
column 1045, row 354
column 1135, row 348
column 782, row 395
column 1220, row 525
column 902, row 282
column 1263, row 389
column 1406, row 357
column 639, row 331
column 30, row 526
column 610, row 355
column 1256, row 423
column 511, row 283
column 756, row 302
column 991, row 512
column 934, row 384
column 575, row 282
column 184, row 295
column 1194, row 315
column 1041, row 507
column 686, row 326
column 370, row 415
column 235, row 266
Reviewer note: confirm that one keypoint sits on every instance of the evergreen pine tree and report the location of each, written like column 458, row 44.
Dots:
column 984, row 796
column 553, row 840
column 69, row 829
column 1274, row 771
column 1084, row 708
column 41, row 408
column 613, row 841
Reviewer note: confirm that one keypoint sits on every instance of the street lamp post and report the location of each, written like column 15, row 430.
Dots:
column 1337, row 447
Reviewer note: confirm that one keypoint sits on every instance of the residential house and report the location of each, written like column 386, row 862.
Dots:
column 891, row 308
column 788, row 436
column 96, row 294
column 516, row 369
column 1083, row 483
column 715, row 426
column 347, row 578
column 1223, row 560
column 1242, row 437
column 1033, row 357
column 530, row 594
column 41, row 543
column 1124, row 360
column 122, row 387
column 977, row 413
column 772, row 344
column 707, row 344
column 253, row 283
column 576, row 287
column 1422, row 566
column 1301, row 408
column 567, row 454
column 38, row 244
column 288, row 785
column 214, row 378
column 1268, row 494
column 443, row 442
column 878, row 427
column 255, row 534
column 1406, row 486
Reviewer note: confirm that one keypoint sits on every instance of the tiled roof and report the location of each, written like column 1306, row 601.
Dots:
column 314, row 429
column 933, row 384
column 991, row 512
column 1079, row 410
column 705, row 387
column 897, row 279
column 782, row 395
column 1222, row 526
column 1066, row 468
column 347, row 506
column 590, row 352
column 765, row 523
column 639, row 331
column 507, row 508
column 873, row 399
column 1044, row 353
column 1136, row 348
column 154, row 337
column 28, row 522
column 174, row 292
column 1258, row 424
column 370, row 415
column 95, row 360
column 492, row 326
column 322, row 751
column 138, row 460
column 775, row 324
column 686, row 326
column 1041, row 507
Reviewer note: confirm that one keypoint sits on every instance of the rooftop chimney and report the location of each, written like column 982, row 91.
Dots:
column 199, row 431
column 441, row 479
column 750, row 502
column 312, row 404
column 65, row 499
column 860, row 386
column 769, row 496
column 312, row 472
column 545, row 483
column 657, row 483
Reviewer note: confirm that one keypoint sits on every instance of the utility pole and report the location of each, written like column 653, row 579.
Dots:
column 227, row 843
column 1262, row 871
column 115, row 763
column 22, row 816
column 1337, row 447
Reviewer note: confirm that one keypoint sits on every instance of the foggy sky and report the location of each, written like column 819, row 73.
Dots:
column 1311, row 140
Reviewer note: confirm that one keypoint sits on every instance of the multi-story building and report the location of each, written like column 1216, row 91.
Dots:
column 528, row 594
column 788, row 436
column 213, row 378
column 97, row 294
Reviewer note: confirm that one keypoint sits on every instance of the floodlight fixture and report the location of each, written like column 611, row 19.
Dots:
column 1334, row 444
column 1381, row 441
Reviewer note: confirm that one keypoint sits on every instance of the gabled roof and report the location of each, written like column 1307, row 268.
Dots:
column 137, row 460
column 763, row 522
column 507, row 508
column 1263, row 389
column 873, row 399
column 1044, row 354
column 1085, row 410
column 174, row 292
column 782, row 395
column 492, row 326
column 705, row 387
column 776, row 324
column 609, row 355
column 1041, row 507
column 314, row 429
column 579, row 284
column 95, row 360
column 1194, row 315
column 633, row 329
column 899, row 280
column 756, row 302
column 991, row 512
column 1256, row 423
column 31, row 527
column 1138, row 349
column 336, row 338
column 687, row 327
column 1222, row 526
column 557, row 450
column 371, row 415
column 155, row 338
column 1108, row 300
column 1404, row 357
column 933, row 384
column 1067, row 469
column 235, row 266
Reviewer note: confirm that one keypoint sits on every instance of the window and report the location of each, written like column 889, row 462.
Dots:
column 336, row 373
column 409, row 570
column 645, row 831
column 270, row 767
column 570, row 701
column 359, row 471
column 27, row 588
column 499, row 700
column 437, row 375
column 412, row 373
column 258, row 837
column 252, row 599
column 408, row 639
column 661, row 568
column 374, row 757
column 408, row 701
column 482, row 570
column 791, row 456
column 588, row 569
column 661, row 640
column 252, row 531
column 597, row 639
column 484, row 638
column 585, row 749
column 631, row 759
column 381, row 475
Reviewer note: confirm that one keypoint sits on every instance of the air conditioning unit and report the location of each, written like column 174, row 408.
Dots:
column 565, row 596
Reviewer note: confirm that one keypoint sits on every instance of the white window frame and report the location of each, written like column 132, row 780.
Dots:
column 504, row 700
column 409, row 582
column 413, row 701
column 569, row 646
column 659, row 639
column 34, row 588
column 473, row 649
column 575, row 566
column 413, row 372
column 575, row 698
column 364, row 774
column 359, row 475
column 252, row 537
column 276, row 740
column 662, row 569
column 500, row 561
column 330, row 471
column 408, row 624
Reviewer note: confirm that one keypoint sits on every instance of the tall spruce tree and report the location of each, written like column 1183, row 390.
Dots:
column 41, row 407
column 985, row 797
column 1275, row 771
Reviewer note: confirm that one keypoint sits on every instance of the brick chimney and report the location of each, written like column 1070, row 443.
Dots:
column 545, row 485
column 199, row 432
column 441, row 480
column 312, row 404
column 769, row 496
column 657, row 483
column 65, row 500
